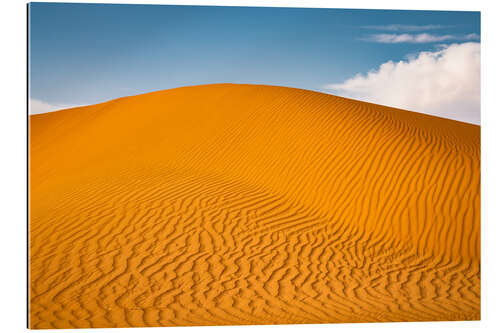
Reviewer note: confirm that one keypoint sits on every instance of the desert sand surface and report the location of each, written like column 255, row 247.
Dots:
column 234, row 204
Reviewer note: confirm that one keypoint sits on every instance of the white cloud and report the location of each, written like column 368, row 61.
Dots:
column 472, row 37
column 37, row 106
column 404, row 27
column 445, row 83
column 416, row 38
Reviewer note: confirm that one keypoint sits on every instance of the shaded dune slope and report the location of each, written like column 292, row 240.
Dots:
column 246, row 204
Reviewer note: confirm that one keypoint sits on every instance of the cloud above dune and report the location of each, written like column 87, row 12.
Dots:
column 405, row 27
column 38, row 106
column 416, row 38
column 444, row 83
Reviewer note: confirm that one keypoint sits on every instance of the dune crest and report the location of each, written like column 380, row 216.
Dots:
column 246, row 204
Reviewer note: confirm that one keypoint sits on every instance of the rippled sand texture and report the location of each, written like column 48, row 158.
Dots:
column 243, row 204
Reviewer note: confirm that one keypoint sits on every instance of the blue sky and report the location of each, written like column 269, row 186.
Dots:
column 84, row 54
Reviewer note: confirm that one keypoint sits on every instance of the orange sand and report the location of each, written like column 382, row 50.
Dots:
column 245, row 204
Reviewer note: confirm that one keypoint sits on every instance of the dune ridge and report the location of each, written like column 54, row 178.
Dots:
column 247, row 204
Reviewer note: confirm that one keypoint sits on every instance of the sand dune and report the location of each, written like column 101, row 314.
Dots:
column 245, row 204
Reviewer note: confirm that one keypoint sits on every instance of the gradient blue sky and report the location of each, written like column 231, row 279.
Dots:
column 88, row 53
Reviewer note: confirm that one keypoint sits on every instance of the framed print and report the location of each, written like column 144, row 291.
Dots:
column 216, row 165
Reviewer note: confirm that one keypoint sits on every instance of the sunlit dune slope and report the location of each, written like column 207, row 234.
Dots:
column 245, row 204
